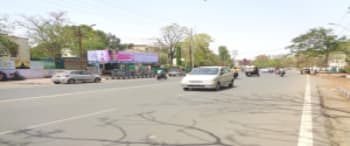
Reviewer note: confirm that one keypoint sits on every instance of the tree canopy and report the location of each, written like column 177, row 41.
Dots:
column 225, row 56
column 171, row 35
column 317, row 42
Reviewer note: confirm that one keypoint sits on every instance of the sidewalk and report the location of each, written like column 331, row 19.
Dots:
column 39, row 81
column 335, row 108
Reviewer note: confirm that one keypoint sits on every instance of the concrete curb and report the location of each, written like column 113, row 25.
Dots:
column 344, row 92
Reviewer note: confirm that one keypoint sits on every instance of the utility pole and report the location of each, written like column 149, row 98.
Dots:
column 80, row 48
column 191, row 49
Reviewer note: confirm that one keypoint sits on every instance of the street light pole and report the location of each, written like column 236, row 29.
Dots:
column 80, row 48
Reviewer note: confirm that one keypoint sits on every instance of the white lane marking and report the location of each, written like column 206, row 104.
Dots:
column 76, row 93
column 59, row 121
column 306, row 131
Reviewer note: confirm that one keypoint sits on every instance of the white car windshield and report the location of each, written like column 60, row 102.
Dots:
column 204, row 71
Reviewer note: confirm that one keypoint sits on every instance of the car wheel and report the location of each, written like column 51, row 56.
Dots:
column 3, row 76
column 97, row 80
column 218, row 86
column 71, row 81
column 231, row 84
column 56, row 82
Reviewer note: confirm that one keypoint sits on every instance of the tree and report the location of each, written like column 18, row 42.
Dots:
column 49, row 32
column 202, row 54
column 8, row 46
column 315, row 43
column 262, row 61
column 11, row 48
column 5, row 25
column 113, row 42
column 178, row 55
column 171, row 35
column 224, row 55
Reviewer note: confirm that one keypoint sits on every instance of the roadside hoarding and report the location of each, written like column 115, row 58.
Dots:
column 146, row 58
column 101, row 56
column 125, row 57
column 104, row 56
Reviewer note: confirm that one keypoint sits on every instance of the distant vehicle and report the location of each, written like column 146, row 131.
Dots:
column 305, row 71
column 161, row 74
column 282, row 73
column 75, row 76
column 251, row 71
column 208, row 77
column 235, row 71
column 176, row 72
column 267, row 70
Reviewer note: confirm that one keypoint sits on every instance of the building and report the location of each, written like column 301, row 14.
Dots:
column 337, row 60
column 143, row 48
column 22, row 57
column 68, row 53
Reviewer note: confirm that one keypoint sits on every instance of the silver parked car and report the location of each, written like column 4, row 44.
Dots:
column 176, row 72
column 210, row 77
column 75, row 76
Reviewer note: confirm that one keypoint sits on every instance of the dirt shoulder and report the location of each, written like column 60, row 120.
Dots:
column 335, row 108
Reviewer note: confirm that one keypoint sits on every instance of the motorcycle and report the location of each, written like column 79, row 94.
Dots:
column 282, row 73
column 161, row 75
column 235, row 75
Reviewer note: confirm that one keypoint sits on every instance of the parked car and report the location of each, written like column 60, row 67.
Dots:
column 305, row 71
column 175, row 72
column 75, row 76
column 210, row 77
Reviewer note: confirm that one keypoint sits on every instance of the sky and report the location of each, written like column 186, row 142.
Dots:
column 252, row 27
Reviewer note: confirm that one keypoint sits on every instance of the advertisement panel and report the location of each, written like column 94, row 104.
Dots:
column 22, row 63
column 147, row 58
column 104, row 56
column 125, row 57
column 101, row 56
column 92, row 56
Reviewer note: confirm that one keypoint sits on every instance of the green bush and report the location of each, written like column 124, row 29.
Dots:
column 347, row 68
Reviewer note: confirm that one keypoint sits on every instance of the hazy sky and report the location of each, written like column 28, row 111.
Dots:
column 252, row 27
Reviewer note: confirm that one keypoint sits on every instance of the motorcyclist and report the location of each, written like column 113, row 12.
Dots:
column 161, row 74
column 235, row 72
column 282, row 72
column 256, row 71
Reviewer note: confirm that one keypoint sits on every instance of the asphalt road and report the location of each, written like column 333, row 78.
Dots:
column 264, row 111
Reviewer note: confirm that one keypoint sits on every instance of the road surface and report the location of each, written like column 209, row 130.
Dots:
column 264, row 111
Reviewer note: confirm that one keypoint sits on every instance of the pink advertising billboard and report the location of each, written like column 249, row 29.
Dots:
column 104, row 56
column 123, row 56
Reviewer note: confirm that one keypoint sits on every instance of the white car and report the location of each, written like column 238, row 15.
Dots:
column 210, row 77
column 74, row 76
